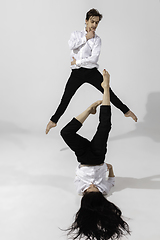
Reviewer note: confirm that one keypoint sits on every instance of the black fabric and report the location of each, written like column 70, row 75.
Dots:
column 76, row 79
column 89, row 152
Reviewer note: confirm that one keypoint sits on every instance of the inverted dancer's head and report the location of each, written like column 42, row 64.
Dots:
column 98, row 219
column 93, row 17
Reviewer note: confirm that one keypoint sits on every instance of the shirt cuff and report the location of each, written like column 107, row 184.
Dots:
column 111, row 180
column 78, row 63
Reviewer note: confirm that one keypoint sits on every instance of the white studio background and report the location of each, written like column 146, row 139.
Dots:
column 34, row 68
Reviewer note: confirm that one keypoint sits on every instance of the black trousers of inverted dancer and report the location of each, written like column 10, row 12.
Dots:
column 89, row 152
column 76, row 79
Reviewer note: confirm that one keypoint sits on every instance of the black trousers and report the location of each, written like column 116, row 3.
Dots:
column 76, row 79
column 89, row 152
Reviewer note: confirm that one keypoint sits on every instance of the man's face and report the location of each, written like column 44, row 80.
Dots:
column 92, row 23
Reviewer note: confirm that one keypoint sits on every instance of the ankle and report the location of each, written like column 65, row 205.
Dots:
column 88, row 110
column 106, row 88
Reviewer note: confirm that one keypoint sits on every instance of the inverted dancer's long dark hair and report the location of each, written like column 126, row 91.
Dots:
column 98, row 219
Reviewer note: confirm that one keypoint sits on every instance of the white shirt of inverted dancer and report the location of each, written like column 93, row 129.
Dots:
column 85, row 52
column 87, row 175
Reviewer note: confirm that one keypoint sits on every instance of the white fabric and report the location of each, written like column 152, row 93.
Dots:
column 86, row 175
column 85, row 52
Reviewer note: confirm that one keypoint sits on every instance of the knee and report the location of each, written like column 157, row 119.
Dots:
column 63, row 133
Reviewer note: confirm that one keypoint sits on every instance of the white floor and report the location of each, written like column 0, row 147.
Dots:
column 37, row 195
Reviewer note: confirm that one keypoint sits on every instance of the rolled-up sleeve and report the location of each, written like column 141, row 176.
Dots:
column 76, row 41
column 110, row 182
column 80, row 186
column 94, row 57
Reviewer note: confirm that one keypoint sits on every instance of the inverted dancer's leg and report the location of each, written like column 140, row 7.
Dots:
column 99, row 141
column 81, row 145
column 90, row 110
column 69, row 133
column 105, row 86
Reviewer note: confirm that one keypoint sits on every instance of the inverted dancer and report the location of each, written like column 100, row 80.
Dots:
column 85, row 49
column 97, row 217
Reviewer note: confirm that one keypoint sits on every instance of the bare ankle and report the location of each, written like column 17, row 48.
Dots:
column 89, row 110
column 106, row 88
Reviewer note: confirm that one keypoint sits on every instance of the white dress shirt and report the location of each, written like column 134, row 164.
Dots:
column 86, row 175
column 85, row 52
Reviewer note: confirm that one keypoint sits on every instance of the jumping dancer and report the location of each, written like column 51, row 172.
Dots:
column 97, row 217
column 85, row 49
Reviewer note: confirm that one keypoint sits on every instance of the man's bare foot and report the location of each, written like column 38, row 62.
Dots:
column 106, row 79
column 93, row 108
column 131, row 114
column 50, row 125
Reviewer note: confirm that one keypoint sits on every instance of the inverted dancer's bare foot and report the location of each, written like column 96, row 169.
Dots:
column 93, row 108
column 50, row 125
column 106, row 79
column 131, row 114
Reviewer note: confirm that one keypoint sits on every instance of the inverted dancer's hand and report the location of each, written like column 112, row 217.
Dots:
column 109, row 165
column 50, row 125
column 111, row 172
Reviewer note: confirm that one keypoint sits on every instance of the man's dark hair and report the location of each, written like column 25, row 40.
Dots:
column 92, row 13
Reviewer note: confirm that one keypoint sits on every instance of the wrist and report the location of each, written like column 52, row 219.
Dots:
column 111, row 173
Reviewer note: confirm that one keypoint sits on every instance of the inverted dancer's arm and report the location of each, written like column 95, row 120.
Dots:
column 110, row 168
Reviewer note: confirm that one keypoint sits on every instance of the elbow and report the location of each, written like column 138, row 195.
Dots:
column 64, row 133
column 71, row 47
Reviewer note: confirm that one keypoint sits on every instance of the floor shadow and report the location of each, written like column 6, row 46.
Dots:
column 64, row 149
column 151, row 182
column 122, row 183
column 11, row 176
column 10, row 132
column 150, row 127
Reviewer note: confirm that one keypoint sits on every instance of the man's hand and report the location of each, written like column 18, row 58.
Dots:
column 74, row 61
column 90, row 34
